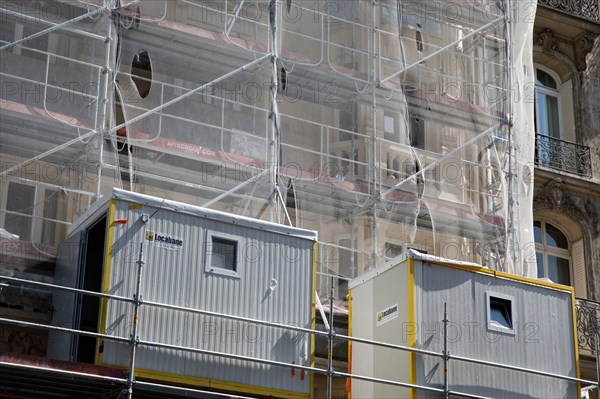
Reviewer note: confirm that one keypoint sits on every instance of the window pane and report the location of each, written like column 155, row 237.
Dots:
column 392, row 250
column 545, row 80
column 537, row 232
column 547, row 115
column 539, row 257
column 558, row 270
column 555, row 238
column 500, row 312
column 564, row 275
column 223, row 254
column 552, row 115
column 19, row 200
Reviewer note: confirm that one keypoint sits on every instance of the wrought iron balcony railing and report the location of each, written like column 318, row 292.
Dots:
column 587, row 9
column 563, row 155
column 588, row 325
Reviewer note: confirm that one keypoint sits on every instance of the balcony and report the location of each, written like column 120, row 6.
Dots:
column 588, row 326
column 586, row 9
column 563, row 155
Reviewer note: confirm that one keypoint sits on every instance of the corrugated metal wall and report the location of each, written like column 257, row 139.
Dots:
column 178, row 277
column 542, row 340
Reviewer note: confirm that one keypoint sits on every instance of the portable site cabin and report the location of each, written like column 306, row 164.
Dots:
column 492, row 316
column 194, row 258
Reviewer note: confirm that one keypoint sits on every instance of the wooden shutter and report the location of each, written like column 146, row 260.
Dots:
column 578, row 262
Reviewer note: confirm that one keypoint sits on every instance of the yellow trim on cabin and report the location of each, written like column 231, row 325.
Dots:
column 218, row 385
column 108, row 248
column 313, row 317
column 575, row 343
column 504, row 275
column 349, row 380
column 411, row 321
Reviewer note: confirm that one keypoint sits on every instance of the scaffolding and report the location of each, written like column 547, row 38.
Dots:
column 128, row 384
column 384, row 125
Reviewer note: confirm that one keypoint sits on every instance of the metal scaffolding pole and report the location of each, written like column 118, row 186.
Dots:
column 445, row 321
column 330, row 337
column 134, row 337
column 273, row 154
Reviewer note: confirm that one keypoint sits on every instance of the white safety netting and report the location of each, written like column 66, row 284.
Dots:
column 383, row 125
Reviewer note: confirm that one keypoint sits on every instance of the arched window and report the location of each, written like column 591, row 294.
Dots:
column 552, row 252
column 547, row 104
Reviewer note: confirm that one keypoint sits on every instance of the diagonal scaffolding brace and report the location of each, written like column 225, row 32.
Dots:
column 446, row 47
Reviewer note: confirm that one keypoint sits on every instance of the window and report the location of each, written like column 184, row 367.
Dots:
column 417, row 131
column 391, row 128
column 392, row 250
column 31, row 212
column 141, row 73
column 547, row 122
column 552, row 253
column 347, row 123
column 546, row 105
column 19, row 204
column 500, row 315
column 222, row 253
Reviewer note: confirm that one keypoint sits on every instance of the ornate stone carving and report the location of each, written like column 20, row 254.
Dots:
column 554, row 195
column 583, row 46
column 546, row 40
column 551, row 195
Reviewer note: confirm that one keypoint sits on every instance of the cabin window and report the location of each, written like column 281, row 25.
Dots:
column 500, row 315
column 223, row 253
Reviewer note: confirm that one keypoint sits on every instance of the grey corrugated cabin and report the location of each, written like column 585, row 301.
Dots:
column 194, row 258
column 492, row 316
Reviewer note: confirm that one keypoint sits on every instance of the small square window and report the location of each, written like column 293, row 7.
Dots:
column 500, row 315
column 222, row 253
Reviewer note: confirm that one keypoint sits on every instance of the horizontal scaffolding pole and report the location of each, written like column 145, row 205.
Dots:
column 65, row 372
column 53, row 28
column 37, row 19
column 62, row 329
column 237, row 318
column 391, row 346
column 67, row 289
column 187, row 391
column 388, row 382
column 522, row 369
column 229, row 356
column 35, row 217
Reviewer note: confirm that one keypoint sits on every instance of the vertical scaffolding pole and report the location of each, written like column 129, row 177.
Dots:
column 514, row 255
column 134, row 339
column 106, row 113
column 273, row 157
column 446, row 354
column 330, row 337
column 375, row 196
column 596, row 346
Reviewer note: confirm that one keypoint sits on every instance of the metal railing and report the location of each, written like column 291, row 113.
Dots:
column 563, row 155
column 587, row 9
column 588, row 325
